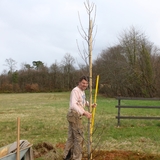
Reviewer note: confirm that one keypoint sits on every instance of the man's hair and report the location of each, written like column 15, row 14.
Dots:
column 84, row 78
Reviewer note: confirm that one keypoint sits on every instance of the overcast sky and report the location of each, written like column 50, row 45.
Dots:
column 45, row 30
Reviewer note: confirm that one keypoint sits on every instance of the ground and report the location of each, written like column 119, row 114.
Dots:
column 48, row 151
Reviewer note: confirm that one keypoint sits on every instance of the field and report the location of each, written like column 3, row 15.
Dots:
column 43, row 123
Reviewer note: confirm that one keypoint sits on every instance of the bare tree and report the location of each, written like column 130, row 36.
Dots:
column 129, row 68
column 87, row 35
column 86, row 55
column 68, row 68
column 11, row 64
column 137, row 51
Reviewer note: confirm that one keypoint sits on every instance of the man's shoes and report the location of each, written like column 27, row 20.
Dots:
column 69, row 156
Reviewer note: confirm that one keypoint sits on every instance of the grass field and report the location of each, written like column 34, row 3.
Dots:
column 43, row 119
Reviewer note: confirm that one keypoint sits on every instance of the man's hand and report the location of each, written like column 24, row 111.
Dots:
column 94, row 105
column 87, row 114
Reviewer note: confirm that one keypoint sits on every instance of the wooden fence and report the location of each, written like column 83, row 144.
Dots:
column 119, row 106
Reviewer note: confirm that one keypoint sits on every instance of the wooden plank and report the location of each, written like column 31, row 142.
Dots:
column 137, row 98
column 137, row 117
column 146, row 107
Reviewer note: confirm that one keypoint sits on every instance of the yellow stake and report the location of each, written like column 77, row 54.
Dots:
column 95, row 100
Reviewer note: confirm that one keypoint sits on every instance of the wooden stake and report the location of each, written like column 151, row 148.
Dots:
column 18, row 137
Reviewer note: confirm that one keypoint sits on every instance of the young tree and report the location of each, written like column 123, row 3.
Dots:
column 87, row 57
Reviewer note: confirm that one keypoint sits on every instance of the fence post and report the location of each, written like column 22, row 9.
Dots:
column 119, row 103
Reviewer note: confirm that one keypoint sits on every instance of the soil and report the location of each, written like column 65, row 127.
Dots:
column 47, row 151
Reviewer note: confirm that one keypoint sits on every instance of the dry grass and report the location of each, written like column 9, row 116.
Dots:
column 42, row 117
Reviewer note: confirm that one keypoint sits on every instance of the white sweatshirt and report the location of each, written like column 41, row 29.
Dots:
column 77, row 100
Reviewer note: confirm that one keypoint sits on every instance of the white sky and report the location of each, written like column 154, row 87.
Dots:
column 45, row 30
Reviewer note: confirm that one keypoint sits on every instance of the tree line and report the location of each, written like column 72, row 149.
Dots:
column 129, row 68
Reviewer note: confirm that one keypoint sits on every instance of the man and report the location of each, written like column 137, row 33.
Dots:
column 74, row 117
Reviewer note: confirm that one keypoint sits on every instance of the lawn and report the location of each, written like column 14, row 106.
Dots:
column 43, row 119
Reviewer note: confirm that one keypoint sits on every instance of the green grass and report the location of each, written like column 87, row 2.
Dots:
column 43, row 119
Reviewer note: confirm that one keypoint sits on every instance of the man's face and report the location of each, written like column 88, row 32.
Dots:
column 83, row 85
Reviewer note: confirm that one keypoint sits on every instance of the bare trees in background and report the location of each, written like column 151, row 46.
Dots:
column 129, row 68
column 40, row 78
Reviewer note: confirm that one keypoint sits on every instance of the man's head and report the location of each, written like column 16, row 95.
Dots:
column 83, row 83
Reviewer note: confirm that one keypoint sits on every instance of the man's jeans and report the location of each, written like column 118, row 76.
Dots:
column 75, row 135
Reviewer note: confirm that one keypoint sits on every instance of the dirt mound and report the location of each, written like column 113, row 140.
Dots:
column 123, row 155
column 47, row 151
